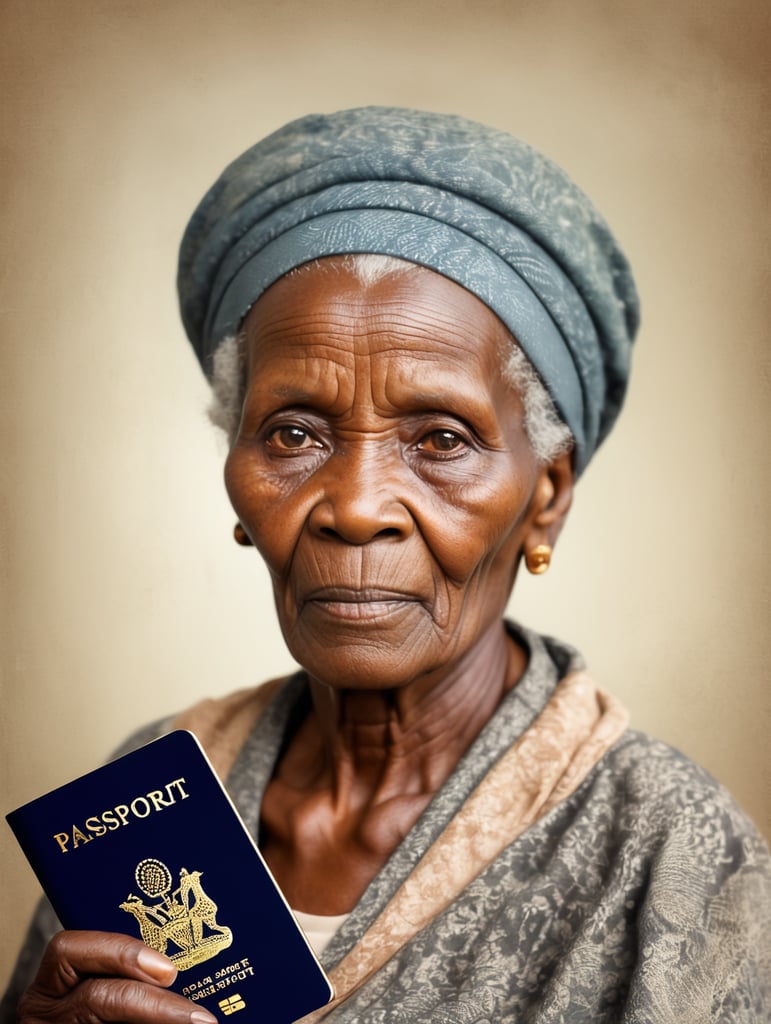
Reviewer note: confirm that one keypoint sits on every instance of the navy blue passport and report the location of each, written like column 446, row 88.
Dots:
column 151, row 845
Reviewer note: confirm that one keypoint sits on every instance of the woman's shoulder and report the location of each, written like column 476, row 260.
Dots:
column 702, row 874
column 221, row 724
column 663, row 802
column 659, row 778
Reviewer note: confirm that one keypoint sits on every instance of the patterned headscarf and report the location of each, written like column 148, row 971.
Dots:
column 470, row 202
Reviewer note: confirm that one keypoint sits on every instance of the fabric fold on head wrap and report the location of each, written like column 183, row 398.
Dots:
column 470, row 202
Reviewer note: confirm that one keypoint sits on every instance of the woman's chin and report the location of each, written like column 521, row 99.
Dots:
column 364, row 662
column 377, row 646
column 357, row 667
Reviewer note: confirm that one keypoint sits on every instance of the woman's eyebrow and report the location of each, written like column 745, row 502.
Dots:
column 290, row 393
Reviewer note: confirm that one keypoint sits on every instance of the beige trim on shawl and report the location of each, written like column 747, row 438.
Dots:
column 578, row 725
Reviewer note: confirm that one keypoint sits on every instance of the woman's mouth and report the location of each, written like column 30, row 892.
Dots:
column 358, row 604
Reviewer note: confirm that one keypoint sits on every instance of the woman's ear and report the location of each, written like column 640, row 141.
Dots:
column 552, row 499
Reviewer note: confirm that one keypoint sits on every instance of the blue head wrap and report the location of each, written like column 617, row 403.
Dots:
column 472, row 203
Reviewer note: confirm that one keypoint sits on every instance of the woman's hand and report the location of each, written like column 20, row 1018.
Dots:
column 86, row 977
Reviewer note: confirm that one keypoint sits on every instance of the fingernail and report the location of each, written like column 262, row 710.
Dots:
column 202, row 1017
column 156, row 964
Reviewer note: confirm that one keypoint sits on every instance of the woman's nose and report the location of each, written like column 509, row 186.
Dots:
column 362, row 497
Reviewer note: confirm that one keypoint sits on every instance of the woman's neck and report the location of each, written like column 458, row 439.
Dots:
column 414, row 735
column 363, row 766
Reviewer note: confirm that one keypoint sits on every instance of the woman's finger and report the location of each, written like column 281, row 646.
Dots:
column 72, row 956
column 97, row 1000
column 87, row 977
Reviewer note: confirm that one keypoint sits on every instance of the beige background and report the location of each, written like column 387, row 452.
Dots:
column 123, row 594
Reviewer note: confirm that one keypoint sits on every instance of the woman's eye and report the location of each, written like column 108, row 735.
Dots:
column 291, row 438
column 442, row 442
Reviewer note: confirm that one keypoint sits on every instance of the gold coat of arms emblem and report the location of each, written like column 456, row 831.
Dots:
column 185, row 916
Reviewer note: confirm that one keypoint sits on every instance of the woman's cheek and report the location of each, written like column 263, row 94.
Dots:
column 470, row 532
column 267, row 507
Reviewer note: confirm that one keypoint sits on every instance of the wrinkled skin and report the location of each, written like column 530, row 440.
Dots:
column 99, row 976
column 383, row 472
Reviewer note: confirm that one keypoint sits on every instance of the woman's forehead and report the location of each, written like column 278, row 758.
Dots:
column 408, row 342
column 416, row 315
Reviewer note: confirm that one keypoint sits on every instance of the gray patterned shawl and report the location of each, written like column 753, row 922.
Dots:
column 644, row 897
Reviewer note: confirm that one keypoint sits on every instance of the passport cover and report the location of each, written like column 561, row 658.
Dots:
column 151, row 845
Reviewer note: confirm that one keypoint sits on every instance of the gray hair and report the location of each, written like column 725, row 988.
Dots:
column 548, row 434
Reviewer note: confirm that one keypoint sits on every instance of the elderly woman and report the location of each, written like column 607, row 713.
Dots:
column 418, row 331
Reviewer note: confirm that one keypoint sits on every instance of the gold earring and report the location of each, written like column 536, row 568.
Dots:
column 538, row 559
column 241, row 536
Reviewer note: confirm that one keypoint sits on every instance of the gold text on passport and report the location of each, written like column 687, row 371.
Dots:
column 121, row 815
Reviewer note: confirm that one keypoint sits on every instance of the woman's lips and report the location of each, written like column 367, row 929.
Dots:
column 358, row 604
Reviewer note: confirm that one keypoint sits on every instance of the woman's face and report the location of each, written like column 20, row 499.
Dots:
column 383, row 472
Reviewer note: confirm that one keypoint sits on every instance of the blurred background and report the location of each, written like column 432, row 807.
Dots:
column 122, row 594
